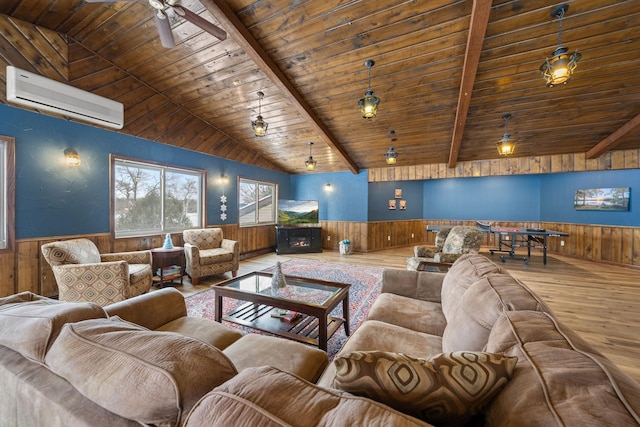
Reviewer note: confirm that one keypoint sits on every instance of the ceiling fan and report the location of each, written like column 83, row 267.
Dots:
column 162, row 7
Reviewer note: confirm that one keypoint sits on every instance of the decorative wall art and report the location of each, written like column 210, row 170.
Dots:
column 602, row 199
column 403, row 205
column 392, row 204
column 398, row 193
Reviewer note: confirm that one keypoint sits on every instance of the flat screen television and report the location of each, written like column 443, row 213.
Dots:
column 297, row 212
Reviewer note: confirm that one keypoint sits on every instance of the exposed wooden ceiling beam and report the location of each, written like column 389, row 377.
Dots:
column 241, row 35
column 477, row 30
column 613, row 140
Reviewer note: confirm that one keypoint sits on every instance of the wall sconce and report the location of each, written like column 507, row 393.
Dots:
column 310, row 163
column 327, row 187
column 506, row 146
column 391, row 156
column 224, row 180
column 72, row 157
column 559, row 69
column 259, row 126
column 369, row 103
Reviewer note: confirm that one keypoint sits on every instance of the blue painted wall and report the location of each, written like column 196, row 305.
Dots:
column 558, row 190
column 55, row 200
column 345, row 200
column 381, row 192
column 498, row 198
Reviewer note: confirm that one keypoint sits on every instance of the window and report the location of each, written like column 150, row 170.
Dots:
column 7, row 192
column 152, row 199
column 256, row 202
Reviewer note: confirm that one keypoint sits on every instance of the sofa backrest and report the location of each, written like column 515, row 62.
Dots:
column 481, row 305
column 559, row 379
column 204, row 238
column 75, row 251
column 467, row 270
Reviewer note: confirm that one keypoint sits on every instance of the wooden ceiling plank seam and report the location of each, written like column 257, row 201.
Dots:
column 243, row 37
column 613, row 140
column 477, row 29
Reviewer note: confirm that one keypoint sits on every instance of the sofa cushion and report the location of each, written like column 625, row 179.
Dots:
column 267, row 397
column 411, row 313
column 559, row 379
column 29, row 323
column 468, row 269
column 468, row 327
column 206, row 330
column 151, row 377
column 446, row 389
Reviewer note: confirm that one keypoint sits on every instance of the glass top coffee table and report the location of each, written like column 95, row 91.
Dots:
column 313, row 299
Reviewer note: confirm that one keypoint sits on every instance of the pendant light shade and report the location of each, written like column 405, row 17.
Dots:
column 506, row 146
column 259, row 125
column 558, row 70
column 310, row 163
column 369, row 102
column 391, row 156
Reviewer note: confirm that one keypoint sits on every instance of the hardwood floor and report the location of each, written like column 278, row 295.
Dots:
column 599, row 301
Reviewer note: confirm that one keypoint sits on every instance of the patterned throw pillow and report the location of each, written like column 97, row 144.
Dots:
column 446, row 389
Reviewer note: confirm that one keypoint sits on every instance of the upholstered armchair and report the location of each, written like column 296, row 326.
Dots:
column 83, row 274
column 450, row 244
column 207, row 252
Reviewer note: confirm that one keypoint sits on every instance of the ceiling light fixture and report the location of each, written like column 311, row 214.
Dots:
column 506, row 146
column 391, row 155
column 259, row 125
column 559, row 69
column 310, row 163
column 369, row 102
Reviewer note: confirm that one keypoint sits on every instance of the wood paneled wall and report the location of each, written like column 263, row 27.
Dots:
column 573, row 162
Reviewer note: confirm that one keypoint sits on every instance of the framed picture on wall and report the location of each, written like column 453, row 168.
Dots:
column 392, row 204
column 602, row 199
column 403, row 205
column 398, row 193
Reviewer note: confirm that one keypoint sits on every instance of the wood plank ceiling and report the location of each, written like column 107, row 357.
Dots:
column 446, row 72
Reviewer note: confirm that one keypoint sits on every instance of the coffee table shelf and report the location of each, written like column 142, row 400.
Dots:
column 304, row 329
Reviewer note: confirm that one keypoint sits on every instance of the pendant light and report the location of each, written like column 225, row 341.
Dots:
column 506, row 146
column 259, row 126
column 369, row 102
column 391, row 156
column 559, row 68
column 310, row 163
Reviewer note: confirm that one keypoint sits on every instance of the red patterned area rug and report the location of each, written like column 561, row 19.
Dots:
column 365, row 287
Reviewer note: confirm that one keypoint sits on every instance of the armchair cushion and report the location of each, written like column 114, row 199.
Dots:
column 215, row 256
column 76, row 251
column 206, row 238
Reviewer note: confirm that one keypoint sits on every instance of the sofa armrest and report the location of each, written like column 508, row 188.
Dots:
column 423, row 285
column 230, row 245
column 134, row 257
column 151, row 310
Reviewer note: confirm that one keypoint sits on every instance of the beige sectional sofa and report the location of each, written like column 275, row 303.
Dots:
column 473, row 346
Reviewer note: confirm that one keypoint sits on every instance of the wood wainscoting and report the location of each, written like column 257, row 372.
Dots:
column 26, row 270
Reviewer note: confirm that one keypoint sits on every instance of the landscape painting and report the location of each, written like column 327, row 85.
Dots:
column 297, row 212
column 602, row 199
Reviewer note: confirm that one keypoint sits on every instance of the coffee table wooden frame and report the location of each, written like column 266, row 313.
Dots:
column 314, row 327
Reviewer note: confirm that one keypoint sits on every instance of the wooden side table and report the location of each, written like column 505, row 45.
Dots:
column 163, row 258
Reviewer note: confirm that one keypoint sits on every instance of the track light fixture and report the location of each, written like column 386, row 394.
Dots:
column 259, row 125
column 560, row 67
column 310, row 163
column 369, row 102
column 391, row 156
column 506, row 146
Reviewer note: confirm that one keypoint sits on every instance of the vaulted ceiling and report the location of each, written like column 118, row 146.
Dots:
column 446, row 72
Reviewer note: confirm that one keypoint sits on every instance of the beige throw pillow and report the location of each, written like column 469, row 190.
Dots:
column 147, row 376
column 446, row 389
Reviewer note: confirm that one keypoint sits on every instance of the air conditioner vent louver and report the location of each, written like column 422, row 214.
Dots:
column 33, row 90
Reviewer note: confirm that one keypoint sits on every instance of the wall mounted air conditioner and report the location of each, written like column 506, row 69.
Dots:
column 40, row 92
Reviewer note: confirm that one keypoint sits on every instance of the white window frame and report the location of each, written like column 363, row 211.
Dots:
column 162, row 169
column 256, row 220
column 7, row 193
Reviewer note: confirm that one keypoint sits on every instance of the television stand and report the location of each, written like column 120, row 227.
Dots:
column 298, row 240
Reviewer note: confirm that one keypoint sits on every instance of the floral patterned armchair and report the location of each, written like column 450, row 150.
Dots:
column 207, row 252
column 83, row 274
column 450, row 244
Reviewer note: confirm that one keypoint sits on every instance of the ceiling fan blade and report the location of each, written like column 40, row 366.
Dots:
column 195, row 19
column 164, row 30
